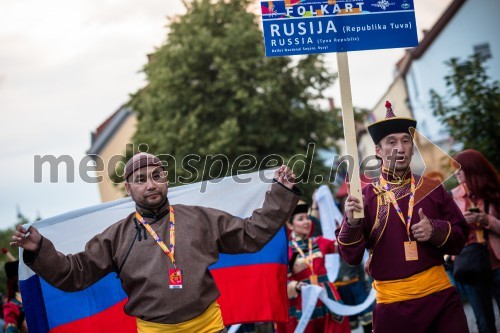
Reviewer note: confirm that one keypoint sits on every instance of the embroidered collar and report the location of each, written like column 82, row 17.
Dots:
column 393, row 178
column 298, row 239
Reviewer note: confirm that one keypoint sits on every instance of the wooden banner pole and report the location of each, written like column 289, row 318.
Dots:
column 349, row 128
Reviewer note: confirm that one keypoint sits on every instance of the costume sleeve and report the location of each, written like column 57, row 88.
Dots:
column 326, row 245
column 351, row 242
column 239, row 235
column 72, row 272
column 450, row 231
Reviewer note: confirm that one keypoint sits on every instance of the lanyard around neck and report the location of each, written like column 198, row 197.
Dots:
column 392, row 197
column 169, row 252
column 309, row 259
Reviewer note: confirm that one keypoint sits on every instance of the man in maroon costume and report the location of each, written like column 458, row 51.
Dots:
column 414, row 294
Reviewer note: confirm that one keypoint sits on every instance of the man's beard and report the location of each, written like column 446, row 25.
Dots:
column 157, row 203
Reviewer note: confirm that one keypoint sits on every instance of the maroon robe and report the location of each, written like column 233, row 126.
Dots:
column 383, row 233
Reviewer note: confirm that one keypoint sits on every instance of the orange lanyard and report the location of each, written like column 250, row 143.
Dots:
column 392, row 197
column 169, row 252
column 309, row 259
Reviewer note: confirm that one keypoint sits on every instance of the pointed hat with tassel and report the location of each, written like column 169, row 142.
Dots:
column 390, row 125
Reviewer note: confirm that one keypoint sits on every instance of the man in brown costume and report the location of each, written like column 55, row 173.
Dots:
column 162, row 252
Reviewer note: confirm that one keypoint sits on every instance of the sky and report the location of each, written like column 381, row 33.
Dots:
column 65, row 66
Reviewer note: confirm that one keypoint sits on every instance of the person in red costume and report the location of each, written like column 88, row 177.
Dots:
column 306, row 257
column 13, row 312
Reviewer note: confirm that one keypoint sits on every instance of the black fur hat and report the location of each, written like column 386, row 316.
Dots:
column 390, row 125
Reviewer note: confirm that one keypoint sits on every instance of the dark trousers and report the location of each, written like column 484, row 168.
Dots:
column 354, row 294
column 496, row 287
column 480, row 298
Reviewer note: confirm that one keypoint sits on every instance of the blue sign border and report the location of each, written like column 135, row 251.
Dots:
column 293, row 27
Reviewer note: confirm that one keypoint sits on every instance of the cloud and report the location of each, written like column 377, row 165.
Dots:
column 119, row 12
column 65, row 66
column 45, row 199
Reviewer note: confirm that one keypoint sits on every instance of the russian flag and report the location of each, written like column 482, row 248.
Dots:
column 252, row 286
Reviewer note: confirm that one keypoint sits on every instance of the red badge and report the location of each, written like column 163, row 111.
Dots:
column 175, row 278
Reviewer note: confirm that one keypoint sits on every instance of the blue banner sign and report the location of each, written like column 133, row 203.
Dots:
column 294, row 27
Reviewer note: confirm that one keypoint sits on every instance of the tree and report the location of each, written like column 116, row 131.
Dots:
column 5, row 236
column 212, row 95
column 471, row 109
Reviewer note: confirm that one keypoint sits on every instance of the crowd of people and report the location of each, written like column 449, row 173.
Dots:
column 410, row 224
column 407, row 251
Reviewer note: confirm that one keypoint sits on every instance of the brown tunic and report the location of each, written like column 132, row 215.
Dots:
column 201, row 234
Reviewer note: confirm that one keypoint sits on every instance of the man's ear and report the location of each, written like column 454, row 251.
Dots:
column 377, row 151
column 127, row 187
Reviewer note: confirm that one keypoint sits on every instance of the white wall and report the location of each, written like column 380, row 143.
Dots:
column 476, row 22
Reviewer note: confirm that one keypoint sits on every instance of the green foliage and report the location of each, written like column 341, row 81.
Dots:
column 450, row 183
column 471, row 109
column 5, row 236
column 212, row 93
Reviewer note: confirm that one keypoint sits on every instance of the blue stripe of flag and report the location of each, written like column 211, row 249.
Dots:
column 33, row 304
column 85, row 303
column 275, row 252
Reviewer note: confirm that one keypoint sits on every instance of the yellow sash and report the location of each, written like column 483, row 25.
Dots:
column 416, row 286
column 209, row 321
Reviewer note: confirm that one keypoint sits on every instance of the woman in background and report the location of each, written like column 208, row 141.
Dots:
column 478, row 197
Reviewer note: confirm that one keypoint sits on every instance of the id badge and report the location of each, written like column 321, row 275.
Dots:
column 175, row 278
column 411, row 252
column 314, row 279
column 480, row 236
